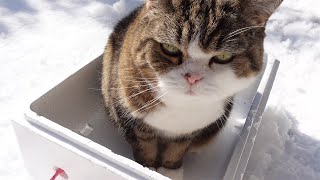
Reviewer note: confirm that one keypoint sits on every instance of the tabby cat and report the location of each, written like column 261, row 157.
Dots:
column 172, row 67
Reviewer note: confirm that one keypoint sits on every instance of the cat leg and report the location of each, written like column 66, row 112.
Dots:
column 173, row 153
column 171, row 159
column 145, row 148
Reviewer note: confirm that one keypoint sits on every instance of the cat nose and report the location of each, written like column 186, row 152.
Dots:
column 193, row 78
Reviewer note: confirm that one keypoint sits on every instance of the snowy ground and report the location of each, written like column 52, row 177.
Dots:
column 43, row 41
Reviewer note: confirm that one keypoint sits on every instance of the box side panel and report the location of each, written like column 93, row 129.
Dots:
column 76, row 100
column 77, row 104
column 42, row 155
column 242, row 152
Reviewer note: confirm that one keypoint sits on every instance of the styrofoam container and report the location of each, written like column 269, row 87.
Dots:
column 68, row 128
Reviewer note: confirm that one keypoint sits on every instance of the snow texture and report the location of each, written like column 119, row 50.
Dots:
column 41, row 42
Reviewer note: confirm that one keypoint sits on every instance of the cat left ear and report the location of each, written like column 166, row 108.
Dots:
column 151, row 3
column 259, row 11
column 160, row 4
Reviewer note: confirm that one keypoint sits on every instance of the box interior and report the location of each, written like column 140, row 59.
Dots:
column 77, row 104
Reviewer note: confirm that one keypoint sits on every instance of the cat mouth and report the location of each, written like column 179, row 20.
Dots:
column 190, row 93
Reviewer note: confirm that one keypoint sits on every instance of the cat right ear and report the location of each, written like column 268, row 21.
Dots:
column 259, row 11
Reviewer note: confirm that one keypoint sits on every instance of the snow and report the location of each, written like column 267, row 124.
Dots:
column 41, row 42
column 288, row 144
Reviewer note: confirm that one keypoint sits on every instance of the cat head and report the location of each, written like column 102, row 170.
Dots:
column 202, row 48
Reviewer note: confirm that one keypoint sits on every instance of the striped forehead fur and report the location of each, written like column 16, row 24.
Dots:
column 207, row 19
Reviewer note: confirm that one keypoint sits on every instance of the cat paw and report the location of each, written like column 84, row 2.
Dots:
column 152, row 168
column 174, row 174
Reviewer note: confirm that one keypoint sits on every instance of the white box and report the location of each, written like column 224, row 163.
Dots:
column 68, row 128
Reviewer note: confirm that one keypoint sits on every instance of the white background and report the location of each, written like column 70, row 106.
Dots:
column 41, row 42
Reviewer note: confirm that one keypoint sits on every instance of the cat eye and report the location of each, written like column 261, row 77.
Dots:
column 223, row 58
column 170, row 50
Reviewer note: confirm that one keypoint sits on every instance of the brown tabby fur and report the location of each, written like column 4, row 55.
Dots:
column 133, row 59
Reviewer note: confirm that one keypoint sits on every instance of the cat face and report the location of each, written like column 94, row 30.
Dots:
column 209, row 49
column 188, row 49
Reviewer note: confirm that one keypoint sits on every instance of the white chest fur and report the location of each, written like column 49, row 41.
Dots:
column 180, row 118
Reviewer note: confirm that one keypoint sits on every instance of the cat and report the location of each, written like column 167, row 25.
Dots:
column 172, row 67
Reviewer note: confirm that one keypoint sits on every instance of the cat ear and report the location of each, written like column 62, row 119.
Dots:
column 151, row 3
column 259, row 11
column 160, row 4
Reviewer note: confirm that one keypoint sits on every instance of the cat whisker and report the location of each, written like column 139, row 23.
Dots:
column 140, row 78
column 240, row 100
column 131, row 87
column 151, row 106
column 134, row 95
column 138, row 81
column 231, row 40
column 149, row 103
column 129, row 68
column 95, row 89
column 222, row 128
column 218, row 125
column 234, row 103
column 241, row 139
column 239, row 31
column 233, row 32
column 136, row 86
column 225, row 119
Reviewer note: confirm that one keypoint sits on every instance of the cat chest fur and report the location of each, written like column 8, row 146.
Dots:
column 181, row 118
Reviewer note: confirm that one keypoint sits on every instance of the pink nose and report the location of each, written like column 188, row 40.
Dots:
column 193, row 78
